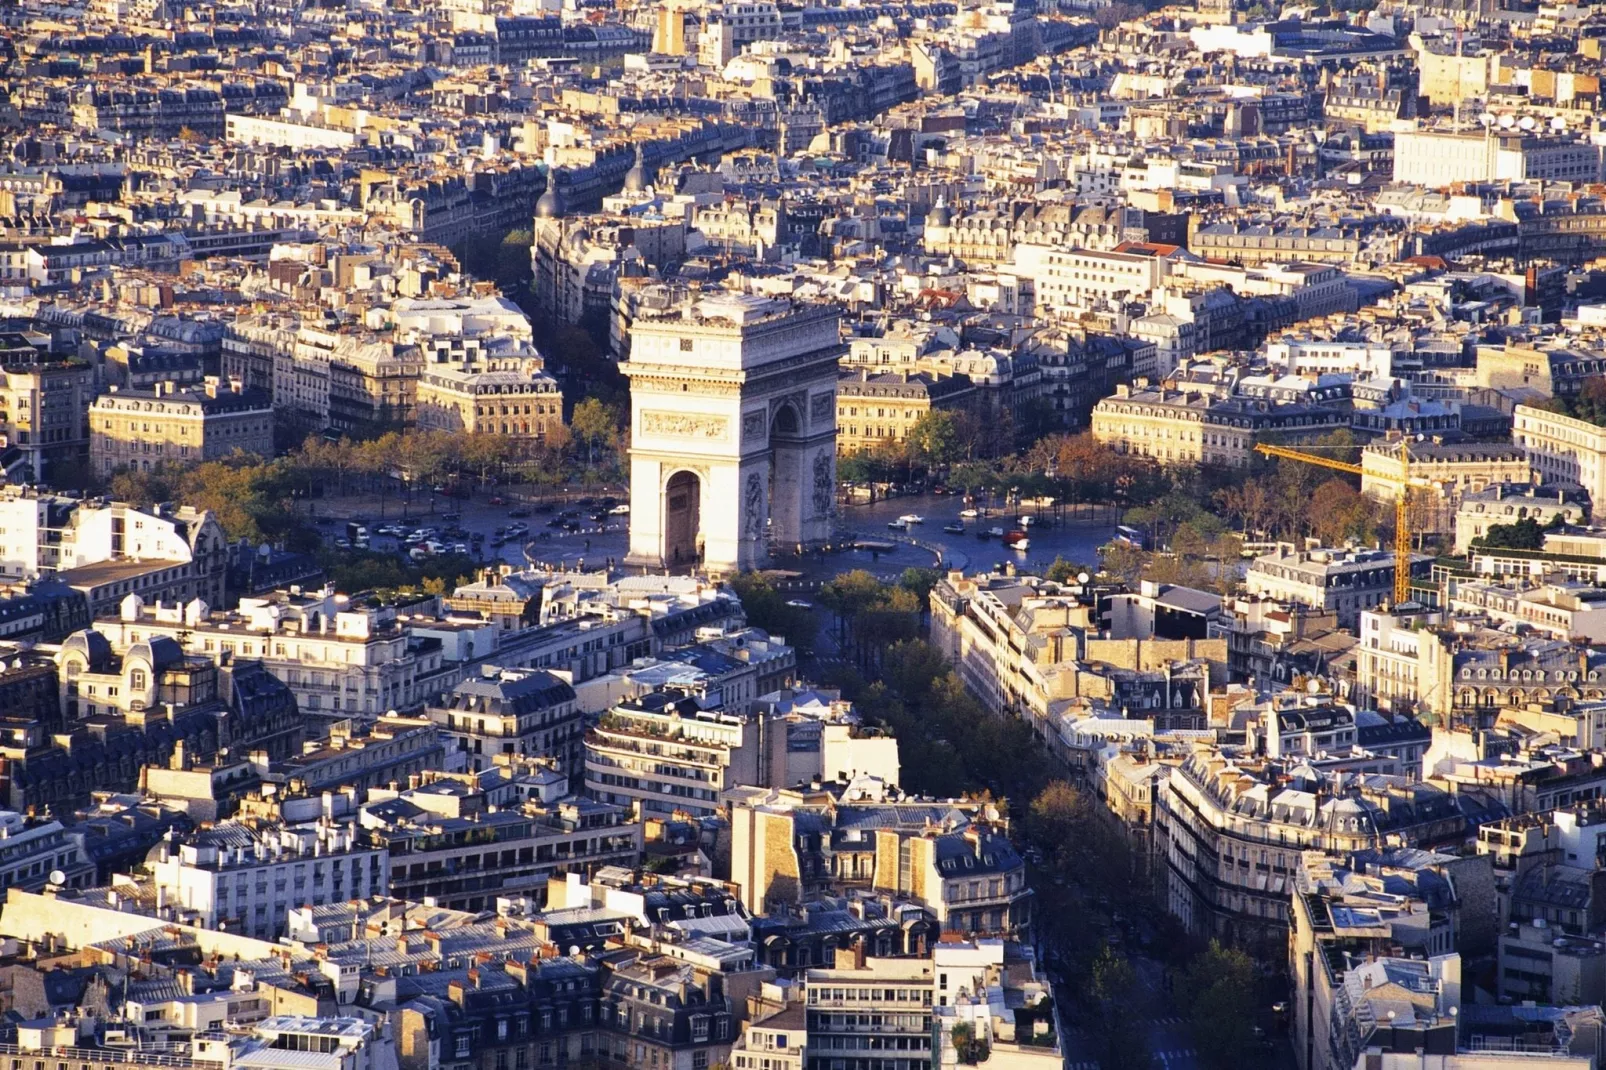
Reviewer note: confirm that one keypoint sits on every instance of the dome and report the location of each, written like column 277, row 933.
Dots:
column 939, row 216
column 95, row 648
column 636, row 179
column 550, row 205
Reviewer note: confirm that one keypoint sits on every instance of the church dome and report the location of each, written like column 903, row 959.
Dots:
column 636, row 179
column 550, row 205
column 939, row 216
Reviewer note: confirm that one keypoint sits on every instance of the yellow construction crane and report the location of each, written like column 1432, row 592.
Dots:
column 1402, row 528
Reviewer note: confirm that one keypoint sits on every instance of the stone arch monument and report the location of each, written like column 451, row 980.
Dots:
column 733, row 432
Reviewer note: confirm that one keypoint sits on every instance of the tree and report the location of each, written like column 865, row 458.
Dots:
column 767, row 608
column 593, row 424
column 862, row 466
column 1338, row 513
column 1112, row 987
column 1122, row 560
column 919, row 582
column 141, row 489
column 1056, row 814
column 934, row 437
column 1062, row 571
column 1220, row 989
column 1525, row 534
column 251, row 499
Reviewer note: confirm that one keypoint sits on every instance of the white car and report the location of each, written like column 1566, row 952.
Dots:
column 619, row 510
column 912, row 518
column 969, row 514
column 799, row 603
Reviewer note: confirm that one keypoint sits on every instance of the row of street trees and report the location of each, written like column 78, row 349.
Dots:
column 951, row 746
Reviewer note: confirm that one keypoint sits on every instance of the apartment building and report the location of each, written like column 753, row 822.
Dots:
column 664, row 752
column 245, row 879
column 1344, row 581
column 521, row 712
column 1086, row 279
column 1231, row 830
column 996, row 997
column 1393, row 647
column 1561, row 609
column 338, row 659
column 449, row 845
column 1563, row 449
column 1442, row 473
column 36, row 852
column 1178, row 427
column 880, row 409
column 141, row 429
column 1005, row 634
column 509, row 396
column 1507, row 504
column 790, row 847
column 311, row 1043
column 868, row 1013
column 44, row 409
column 110, row 549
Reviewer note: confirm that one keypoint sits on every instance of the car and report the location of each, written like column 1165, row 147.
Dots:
column 518, row 514
column 544, row 507
column 459, row 547
column 586, row 501
column 799, row 603
column 620, row 510
column 496, row 499
column 342, row 543
column 497, row 542
column 570, row 514
column 555, row 522
column 451, row 518
column 599, row 518
column 610, row 502
column 912, row 518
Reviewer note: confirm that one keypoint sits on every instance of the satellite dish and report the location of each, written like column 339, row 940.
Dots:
column 1487, row 118
column 1082, row 577
column 1313, row 687
column 1507, row 122
column 1558, row 124
column 1527, row 122
column 58, row 877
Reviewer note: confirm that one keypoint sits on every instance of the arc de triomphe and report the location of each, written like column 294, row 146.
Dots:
column 733, row 432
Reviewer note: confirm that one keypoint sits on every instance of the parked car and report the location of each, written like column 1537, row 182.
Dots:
column 495, row 499
column 518, row 513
